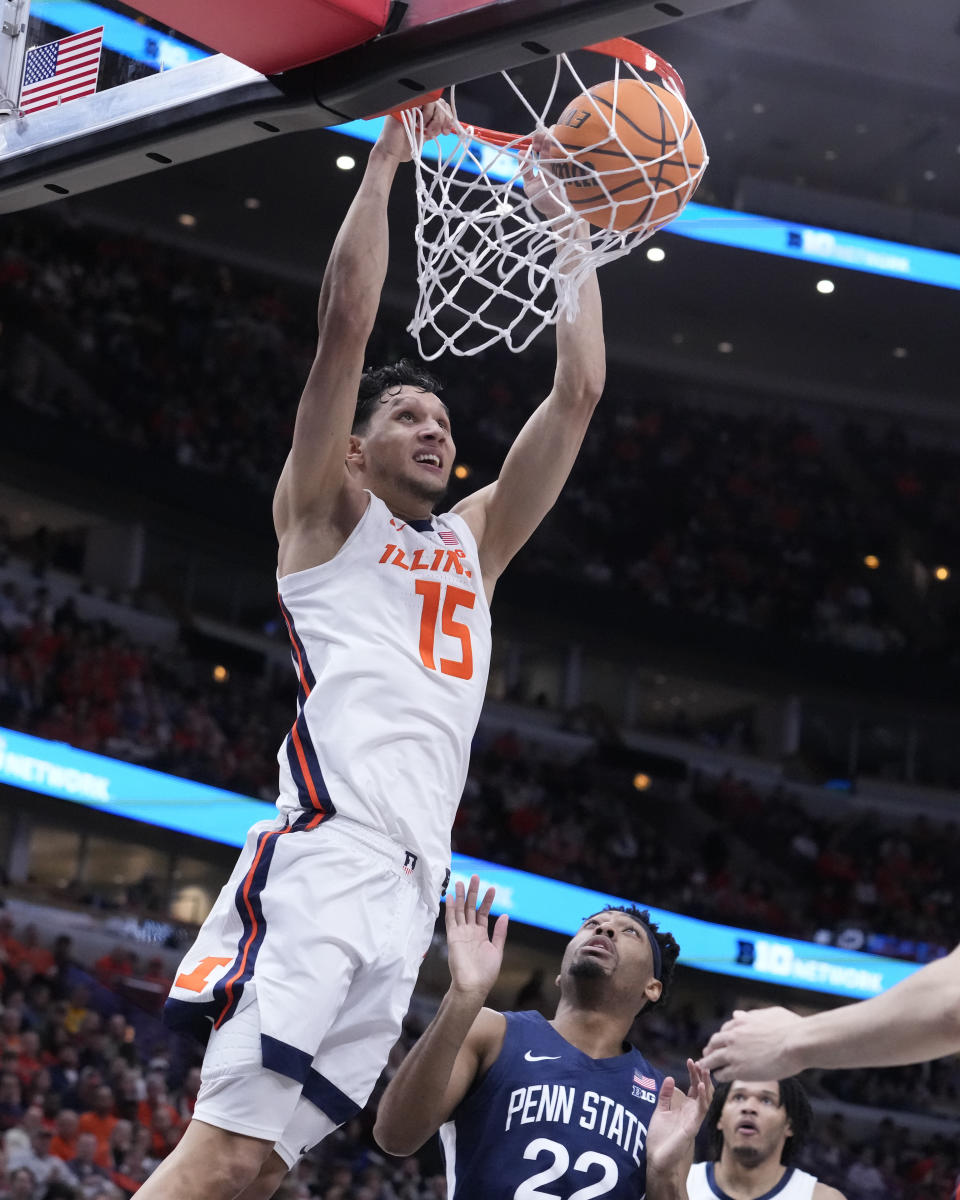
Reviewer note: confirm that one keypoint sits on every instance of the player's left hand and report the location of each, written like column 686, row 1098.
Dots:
column 675, row 1122
column 753, row 1045
column 473, row 955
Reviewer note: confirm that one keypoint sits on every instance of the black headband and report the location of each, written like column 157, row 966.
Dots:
column 654, row 948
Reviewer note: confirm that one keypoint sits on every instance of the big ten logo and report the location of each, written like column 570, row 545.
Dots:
column 819, row 243
column 577, row 173
column 426, row 559
column 774, row 958
column 575, row 117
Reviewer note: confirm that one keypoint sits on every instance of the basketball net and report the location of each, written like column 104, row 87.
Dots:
column 493, row 266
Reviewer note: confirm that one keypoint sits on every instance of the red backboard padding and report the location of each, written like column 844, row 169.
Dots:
column 275, row 36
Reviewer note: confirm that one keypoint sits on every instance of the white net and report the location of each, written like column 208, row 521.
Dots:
column 501, row 246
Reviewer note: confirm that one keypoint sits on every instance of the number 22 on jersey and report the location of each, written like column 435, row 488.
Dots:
column 440, row 602
column 531, row 1189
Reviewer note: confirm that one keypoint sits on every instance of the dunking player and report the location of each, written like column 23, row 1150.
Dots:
column 523, row 1103
column 756, row 1130
column 303, row 970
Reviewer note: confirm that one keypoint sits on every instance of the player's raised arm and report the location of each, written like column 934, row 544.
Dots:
column 670, row 1141
column 314, row 474
column 504, row 515
column 461, row 1040
column 914, row 1021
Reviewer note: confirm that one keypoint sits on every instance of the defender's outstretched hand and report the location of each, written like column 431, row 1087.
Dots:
column 675, row 1122
column 437, row 119
column 473, row 955
column 753, row 1045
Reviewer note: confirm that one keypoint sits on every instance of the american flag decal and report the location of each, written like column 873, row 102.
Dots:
column 644, row 1081
column 448, row 537
column 57, row 72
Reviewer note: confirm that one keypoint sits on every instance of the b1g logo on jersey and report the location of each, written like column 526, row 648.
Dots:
column 644, row 1088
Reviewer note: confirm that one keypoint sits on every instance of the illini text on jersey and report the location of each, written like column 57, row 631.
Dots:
column 431, row 559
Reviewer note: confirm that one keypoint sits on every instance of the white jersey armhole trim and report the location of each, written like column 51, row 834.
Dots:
column 293, row 577
column 448, row 1136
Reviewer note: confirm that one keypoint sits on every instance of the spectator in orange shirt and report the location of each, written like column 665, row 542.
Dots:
column 29, row 950
column 113, row 967
column 64, row 1142
column 28, row 1060
column 158, row 1115
column 100, row 1121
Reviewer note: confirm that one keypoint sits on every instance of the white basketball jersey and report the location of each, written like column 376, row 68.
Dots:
column 391, row 643
column 794, row 1185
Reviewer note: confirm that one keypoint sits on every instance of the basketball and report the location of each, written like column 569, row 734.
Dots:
column 645, row 170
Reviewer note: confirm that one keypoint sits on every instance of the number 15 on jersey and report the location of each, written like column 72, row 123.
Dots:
column 440, row 604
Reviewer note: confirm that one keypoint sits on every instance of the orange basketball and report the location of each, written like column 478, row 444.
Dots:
column 638, row 174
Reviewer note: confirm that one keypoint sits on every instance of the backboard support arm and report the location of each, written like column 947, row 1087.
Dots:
column 217, row 104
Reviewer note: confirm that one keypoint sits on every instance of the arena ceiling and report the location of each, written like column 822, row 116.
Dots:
column 840, row 113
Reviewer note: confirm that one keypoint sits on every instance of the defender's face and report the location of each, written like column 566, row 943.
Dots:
column 408, row 443
column 613, row 946
column 753, row 1122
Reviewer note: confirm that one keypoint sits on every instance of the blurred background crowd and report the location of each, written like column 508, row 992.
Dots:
column 816, row 541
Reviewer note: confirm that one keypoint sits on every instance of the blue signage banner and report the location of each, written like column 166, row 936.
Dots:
column 748, row 231
column 138, row 793
column 724, row 949
column 122, row 34
column 56, row 769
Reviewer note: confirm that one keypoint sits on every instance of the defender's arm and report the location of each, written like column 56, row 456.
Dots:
column 461, row 1041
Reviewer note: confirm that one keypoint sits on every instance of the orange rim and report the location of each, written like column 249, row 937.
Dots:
column 623, row 48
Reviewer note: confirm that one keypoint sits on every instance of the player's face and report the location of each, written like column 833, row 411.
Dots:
column 613, row 946
column 408, row 447
column 753, row 1122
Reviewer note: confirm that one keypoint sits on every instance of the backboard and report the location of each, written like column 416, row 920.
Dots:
column 165, row 95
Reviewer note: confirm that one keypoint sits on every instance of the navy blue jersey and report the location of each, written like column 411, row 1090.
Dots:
column 548, row 1122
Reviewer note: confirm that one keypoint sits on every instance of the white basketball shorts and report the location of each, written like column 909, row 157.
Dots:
column 302, row 975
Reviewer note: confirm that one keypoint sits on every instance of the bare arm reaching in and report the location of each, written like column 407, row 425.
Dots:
column 914, row 1021
column 460, row 1040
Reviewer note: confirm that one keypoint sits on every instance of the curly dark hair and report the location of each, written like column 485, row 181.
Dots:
column 375, row 381
column 793, row 1098
column 669, row 949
